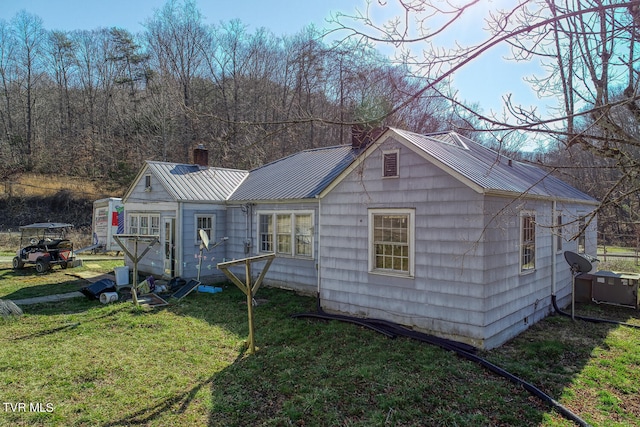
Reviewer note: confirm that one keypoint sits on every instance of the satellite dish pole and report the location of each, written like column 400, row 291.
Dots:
column 579, row 265
column 204, row 244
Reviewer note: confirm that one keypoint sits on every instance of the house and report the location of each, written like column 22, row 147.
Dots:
column 174, row 201
column 434, row 231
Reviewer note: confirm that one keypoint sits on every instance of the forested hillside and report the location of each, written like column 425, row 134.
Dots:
column 96, row 103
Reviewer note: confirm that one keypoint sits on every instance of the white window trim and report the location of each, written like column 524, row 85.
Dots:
column 582, row 236
column 212, row 238
column 139, row 215
column 411, row 240
column 521, row 242
column 559, row 234
column 292, row 213
column 397, row 153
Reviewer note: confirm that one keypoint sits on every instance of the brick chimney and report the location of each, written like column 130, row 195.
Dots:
column 361, row 135
column 201, row 156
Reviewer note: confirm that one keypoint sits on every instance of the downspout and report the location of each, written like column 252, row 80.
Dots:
column 179, row 241
column 318, row 269
column 554, row 247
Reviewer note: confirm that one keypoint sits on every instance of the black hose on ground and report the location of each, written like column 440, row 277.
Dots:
column 353, row 320
column 590, row 319
column 392, row 330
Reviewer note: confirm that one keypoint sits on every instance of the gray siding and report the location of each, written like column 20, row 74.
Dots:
column 288, row 272
column 157, row 201
column 153, row 262
column 514, row 300
column 446, row 294
column 191, row 249
column 467, row 284
column 156, row 194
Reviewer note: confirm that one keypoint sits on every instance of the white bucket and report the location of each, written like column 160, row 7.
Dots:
column 122, row 275
column 107, row 297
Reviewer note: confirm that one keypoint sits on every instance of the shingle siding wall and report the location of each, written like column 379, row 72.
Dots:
column 446, row 293
column 191, row 250
column 288, row 272
column 514, row 300
column 153, row 262
column 467, row 285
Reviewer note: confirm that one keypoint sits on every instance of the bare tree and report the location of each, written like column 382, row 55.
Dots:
column 589, row 49
column 30, row 37
column 175, row 37
column 7, row 79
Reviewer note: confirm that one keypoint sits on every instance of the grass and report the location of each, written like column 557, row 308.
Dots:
column 26, row 283
column 85, row 363
column 31, row 184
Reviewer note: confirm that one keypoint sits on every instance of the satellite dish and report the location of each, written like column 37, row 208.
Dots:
column 205, row 238
column 578, row 263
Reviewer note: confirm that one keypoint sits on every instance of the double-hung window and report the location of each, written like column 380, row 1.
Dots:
column 144, row 224
column 527, row 242
column 286, row 233
column 559, row 234
column 391, row 241
column 266, row 233
column 582, row 234
column 206, row 223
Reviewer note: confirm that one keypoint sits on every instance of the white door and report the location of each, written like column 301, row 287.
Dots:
column 169, row 247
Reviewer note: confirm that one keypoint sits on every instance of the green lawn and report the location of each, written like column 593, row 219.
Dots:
column 83, row 363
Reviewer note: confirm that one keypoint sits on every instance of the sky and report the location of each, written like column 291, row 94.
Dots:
column 485, row 81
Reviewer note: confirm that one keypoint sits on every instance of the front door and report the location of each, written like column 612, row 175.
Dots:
column 170, row 247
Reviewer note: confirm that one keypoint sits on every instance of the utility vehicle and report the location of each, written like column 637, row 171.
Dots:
column 44, row 244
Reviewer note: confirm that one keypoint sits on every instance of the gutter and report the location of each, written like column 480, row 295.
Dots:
column 530, row 196
column 318, row 269
column 554, row 247
column 180, row 240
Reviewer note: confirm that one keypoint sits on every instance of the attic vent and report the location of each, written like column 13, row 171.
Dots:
column 390, row 163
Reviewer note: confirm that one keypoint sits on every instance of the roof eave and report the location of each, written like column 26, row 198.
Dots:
column 310, row 199
column 530, row 196
column 140, row 174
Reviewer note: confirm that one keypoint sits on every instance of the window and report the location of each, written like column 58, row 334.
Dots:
column 390, row 163
column 527, row 242
column 155, row 225
column 391, row 241
column 147, row 182
column 283, row 233
column 204, row 222
column 582, row 243
column 144, row 224
column 133, row 224
column 303, row 235
column 292, row 233
column 266, row 233
column 559, row 232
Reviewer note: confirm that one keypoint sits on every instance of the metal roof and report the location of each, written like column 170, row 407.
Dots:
column 299, row 176
column 489, row 169
column 46, row 226
column 306, row 174
column 187, row 182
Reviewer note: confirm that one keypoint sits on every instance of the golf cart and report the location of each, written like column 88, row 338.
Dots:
column 45, row 245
